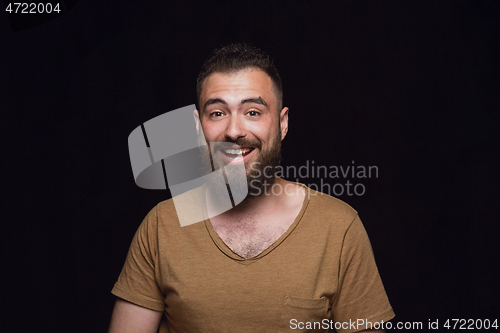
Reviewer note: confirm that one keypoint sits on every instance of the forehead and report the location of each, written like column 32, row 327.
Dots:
column 244, row 83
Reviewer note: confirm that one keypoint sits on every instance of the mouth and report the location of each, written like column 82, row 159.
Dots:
column 236, row 155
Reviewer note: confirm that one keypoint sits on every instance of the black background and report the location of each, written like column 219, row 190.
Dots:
column 411, row 87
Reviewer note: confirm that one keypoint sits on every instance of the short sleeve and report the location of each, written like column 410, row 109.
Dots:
column 137, row 281
column 361, row 294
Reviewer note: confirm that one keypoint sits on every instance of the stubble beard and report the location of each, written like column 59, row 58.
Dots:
column 260, row 174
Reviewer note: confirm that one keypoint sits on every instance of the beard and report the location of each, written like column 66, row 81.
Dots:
column 259, row 174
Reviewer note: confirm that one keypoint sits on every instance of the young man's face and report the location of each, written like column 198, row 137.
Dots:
column 240, row 109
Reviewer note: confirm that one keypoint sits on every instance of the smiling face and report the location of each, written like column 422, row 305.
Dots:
column 239, row 110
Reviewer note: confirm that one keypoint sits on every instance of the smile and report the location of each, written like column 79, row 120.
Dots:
column 236, row 155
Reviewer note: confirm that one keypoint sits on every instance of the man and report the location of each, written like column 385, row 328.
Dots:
column 286, row 259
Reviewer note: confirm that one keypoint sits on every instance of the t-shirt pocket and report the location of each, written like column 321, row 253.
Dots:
column 300, row 315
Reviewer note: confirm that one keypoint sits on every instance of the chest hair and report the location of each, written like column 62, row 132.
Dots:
column 247, row 236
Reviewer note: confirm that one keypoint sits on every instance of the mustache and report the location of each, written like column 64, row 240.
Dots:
column 238, row 142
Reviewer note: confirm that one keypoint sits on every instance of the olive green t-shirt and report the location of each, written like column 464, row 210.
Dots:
column 317, row 277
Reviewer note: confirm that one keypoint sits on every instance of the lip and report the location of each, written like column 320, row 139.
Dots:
column 238, row 159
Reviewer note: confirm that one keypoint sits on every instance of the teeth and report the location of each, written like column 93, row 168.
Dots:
column 236, row 151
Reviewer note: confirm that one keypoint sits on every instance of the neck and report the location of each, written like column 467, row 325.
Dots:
column 256, row 205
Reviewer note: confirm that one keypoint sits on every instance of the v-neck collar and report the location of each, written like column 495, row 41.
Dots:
column 231, row 254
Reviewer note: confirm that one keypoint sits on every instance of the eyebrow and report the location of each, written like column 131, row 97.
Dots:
column 256, row 100
column 211, row 101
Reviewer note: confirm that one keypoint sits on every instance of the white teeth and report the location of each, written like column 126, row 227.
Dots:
column 236, row 151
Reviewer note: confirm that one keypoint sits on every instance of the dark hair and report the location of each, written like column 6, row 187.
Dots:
column 236, row 57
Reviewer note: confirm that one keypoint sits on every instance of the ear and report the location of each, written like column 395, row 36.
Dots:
column 284, row 122
column 196, row 115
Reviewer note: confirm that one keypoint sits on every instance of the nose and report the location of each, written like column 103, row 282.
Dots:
column 235, row 128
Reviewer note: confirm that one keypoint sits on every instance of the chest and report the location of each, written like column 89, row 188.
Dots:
column 221, row 295
column 208, row 290
column 248, row 241
column 250, row 235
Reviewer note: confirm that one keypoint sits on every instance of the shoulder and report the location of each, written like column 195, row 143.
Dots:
column 182, row 210
column 166, row 209
column 162, row 212
column 326, row 209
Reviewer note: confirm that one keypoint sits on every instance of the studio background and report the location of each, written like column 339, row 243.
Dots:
column 409, row 87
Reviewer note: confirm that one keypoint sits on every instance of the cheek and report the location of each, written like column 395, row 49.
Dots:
column 211, row 131
column 270, row 133
column 264, row 130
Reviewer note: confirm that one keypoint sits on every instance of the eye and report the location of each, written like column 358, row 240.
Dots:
column 253, row 113
column 216, row 114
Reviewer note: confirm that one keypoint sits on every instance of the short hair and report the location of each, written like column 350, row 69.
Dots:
column 235, row 57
